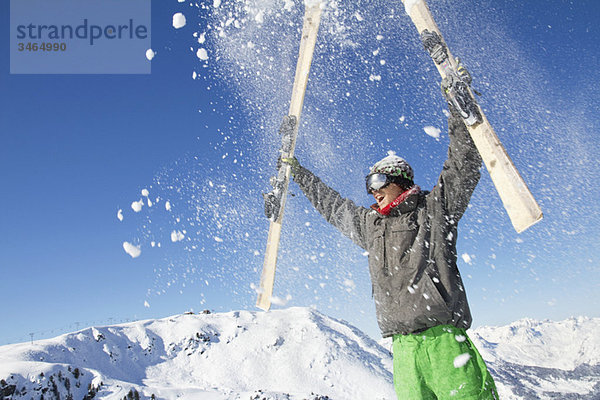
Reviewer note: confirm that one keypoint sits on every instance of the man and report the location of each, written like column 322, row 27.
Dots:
column 410, row 236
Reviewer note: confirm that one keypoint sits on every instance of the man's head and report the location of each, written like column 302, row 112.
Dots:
column 388, row 178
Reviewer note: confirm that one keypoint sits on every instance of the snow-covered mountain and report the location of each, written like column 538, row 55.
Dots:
column 291, row 354
column 296, row 353
column 543, row 360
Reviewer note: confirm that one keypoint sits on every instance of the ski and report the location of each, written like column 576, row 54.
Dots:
column 275, row 200
column 518, row 201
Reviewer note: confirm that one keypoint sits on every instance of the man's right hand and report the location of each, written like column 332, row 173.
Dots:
column 293, row 163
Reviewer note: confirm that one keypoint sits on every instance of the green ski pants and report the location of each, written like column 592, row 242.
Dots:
column 440, row 363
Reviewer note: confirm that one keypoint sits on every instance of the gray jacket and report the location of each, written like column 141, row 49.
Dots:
column 412, row 251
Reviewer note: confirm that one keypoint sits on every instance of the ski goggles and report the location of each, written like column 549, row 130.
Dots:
column 377, row 181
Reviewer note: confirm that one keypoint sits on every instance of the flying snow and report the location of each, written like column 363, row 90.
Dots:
column 281, row 301
column 178, row 20
column 349, row 283
column 202, row 54
column 255, row 58
column 289, row 4
column 467, row 258
column 260, row 17
column 137, row 205
column 177, row 236
column 120, row 215
column 432, row 131
column 461, row 360
column 131, row 249
column 150, row 54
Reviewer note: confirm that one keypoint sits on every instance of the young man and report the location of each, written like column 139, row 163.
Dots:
column 410, row 236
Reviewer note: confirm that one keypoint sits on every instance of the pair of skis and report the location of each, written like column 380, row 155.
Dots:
column 518, row 201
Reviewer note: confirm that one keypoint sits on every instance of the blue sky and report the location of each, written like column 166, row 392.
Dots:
column 77, row 148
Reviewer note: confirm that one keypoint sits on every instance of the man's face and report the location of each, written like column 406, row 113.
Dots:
column 386, row 195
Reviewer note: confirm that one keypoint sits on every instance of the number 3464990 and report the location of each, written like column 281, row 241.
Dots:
column 42, row 46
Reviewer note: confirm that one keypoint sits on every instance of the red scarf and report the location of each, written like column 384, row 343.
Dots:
column 403, row 196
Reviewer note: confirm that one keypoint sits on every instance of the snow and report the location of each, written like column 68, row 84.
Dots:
column 145, row 192
column 466, row 258
column 150, row 54
column 284, row 354
column 168, row 205
column 178, row 20
column 260, row 17
column 561, row 345
column 120, row 215
column 177, row 236
column 350, row 284
column 289, row 4
column 131, row 249
column 137, row 205
column 202, row 54
column 432, row 131
column 461, row 360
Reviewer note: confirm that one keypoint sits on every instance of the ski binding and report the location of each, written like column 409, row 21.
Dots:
column 455, row 86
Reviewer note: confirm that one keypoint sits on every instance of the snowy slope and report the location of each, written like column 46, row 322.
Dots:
column 291, row 354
